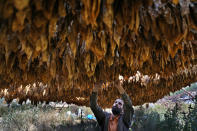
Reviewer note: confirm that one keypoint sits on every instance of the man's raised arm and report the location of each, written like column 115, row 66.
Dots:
column 128, row 109
column 98, row 112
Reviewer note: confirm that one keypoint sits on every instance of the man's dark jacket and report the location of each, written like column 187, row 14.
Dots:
column 124, row 121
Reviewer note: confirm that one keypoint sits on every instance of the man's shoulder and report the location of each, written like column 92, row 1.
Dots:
column 107, row 114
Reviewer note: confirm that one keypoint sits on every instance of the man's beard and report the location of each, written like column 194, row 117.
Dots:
column 116, row 111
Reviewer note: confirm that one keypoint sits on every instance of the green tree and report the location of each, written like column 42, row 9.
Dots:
column 191, row 118
column 171, row 120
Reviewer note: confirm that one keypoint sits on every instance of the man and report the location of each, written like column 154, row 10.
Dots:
column 122, row 111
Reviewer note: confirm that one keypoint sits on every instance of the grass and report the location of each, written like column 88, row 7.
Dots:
column 29, row 117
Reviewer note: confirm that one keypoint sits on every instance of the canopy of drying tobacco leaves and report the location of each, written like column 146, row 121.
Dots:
column 53, row 50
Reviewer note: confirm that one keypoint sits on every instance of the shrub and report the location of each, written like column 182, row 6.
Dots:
column 191, row 118
column 145, row 120
column 171, row 120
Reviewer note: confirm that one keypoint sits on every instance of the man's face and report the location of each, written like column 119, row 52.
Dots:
column 119, row 103
column 117, row 107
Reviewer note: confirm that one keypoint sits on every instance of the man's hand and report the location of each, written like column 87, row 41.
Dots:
column 96, row 87
column 120, row 88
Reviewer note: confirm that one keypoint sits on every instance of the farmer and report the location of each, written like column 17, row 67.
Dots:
column 122, row 111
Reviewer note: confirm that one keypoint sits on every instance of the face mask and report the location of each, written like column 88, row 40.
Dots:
column 116, row 110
